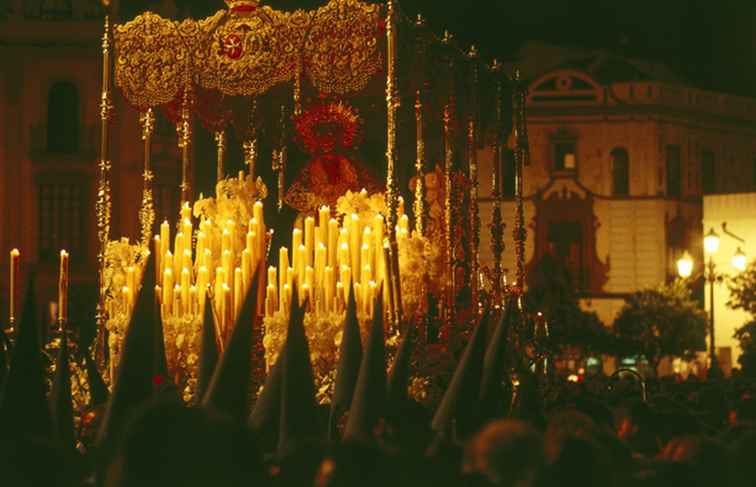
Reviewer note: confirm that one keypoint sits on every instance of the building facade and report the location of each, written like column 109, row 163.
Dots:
column 620, row 163
column 50, row 92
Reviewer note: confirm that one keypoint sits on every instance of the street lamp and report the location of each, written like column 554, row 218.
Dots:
column 685, row 265
column 739, row 260
column 685, row 270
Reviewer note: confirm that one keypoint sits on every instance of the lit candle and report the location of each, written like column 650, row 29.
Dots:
column 354, row 241
column 309, row 276
column 158, row 259
column 185, row 284
column 307, row 295
column 250, row 248
column 187, row 262
column 344, row 258
column 296, row 241
column 346, row 280
column 367, row 239
column 340, row 292
column 238, row 295
column 178, row 250
column 301, row 264
column 400, row 212
column 177, row 301
column 272, row 273
column 333, row 237
column 378, row 247
column 373, row 292
column 256, row 256
column 167, row 292
column 271, row 299
column 201, row 243
column 227, row 264
column 187, row 230
column 358, row 295
column 283, row 266
column 330, row 287
column 404, row 223
column 227, row 308
column 15, row 257
column 324, row 215
column 126, row 294
column 257, row 213
column 320, row 263
column 165, row 239
column 343, row 241
column 193, row 301
column 365, row 261
column 63, row 288
column 246, row 270
column 309, row 236
column 286, row 297
column 203, row 279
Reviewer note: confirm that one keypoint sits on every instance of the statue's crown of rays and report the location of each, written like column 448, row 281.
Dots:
column 242, row 4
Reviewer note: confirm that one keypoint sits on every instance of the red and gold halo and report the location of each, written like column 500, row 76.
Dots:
column 242, row 5
column 329, row 128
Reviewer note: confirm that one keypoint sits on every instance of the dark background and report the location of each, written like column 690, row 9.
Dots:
column 712, row 44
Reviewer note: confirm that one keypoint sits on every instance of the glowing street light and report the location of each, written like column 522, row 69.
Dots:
column 685, row 266
column 711, row 242
column 739, row 260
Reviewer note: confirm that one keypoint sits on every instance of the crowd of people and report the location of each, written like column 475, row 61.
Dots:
column 488, row 429
column 594, row 433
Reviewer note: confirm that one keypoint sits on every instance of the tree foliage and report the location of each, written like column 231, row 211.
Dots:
column 746, row 335
column 661, row 322
column 743, row 290
column 743, row 296
column 551, row 292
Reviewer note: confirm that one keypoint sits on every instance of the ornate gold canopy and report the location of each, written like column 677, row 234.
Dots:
column 248, row 49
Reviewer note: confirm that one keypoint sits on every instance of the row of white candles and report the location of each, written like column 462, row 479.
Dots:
column 184, row 276
column 63, row 282
column 324, row 261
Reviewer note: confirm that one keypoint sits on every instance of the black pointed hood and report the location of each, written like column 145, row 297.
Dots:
column 398, row 381
column 136, row 375
column 492, row 401
column 265, row 418
column 348, row 369
column 299, row 418
column 61, row 402
column 228, row 389
column 369, row 402
column 208, row 358
column 461, row 395
column 23, row 406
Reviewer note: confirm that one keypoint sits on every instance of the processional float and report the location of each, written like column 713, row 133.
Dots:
column 312, row 85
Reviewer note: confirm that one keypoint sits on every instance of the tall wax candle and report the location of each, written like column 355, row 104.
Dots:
column 333, row 237
column 296, row 241
column 15, row 257
column 63, row 288
column 283, row 267
column 309, row 236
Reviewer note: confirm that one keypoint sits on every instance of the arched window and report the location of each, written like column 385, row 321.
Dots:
column 63, row 118
column 620, row 172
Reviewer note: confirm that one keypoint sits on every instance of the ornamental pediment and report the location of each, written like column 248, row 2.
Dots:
column 571, row 86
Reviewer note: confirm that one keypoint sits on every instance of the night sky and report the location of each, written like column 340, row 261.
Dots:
column 710, row 43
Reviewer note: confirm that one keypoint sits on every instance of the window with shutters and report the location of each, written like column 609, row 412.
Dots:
column 62, row 223
column 620, row 172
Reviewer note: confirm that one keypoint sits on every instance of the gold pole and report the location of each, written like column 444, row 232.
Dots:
column 280, row 158
column 147, row 211
column 185, row 139
column 104, row 203
column 392, row 186
column 419, row 163
column 250, row 145
column 497, row 224
column 449, row 214
column 220, row 144
column 521, row 151
column 472, row 159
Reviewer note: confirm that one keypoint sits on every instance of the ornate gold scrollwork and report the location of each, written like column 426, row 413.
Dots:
column 247, row 55
column 342, row 53
column 150, row 55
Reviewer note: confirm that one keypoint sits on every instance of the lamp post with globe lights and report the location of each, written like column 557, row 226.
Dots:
column 685, row 267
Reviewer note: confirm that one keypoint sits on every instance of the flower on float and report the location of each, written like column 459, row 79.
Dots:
column 365, row 205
